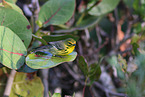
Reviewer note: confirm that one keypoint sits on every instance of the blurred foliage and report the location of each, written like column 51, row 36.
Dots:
column 109, row 29
column 26, row 85
column 136, row 83
column 92, row 72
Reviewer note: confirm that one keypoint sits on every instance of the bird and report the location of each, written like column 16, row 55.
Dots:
column 59, row 48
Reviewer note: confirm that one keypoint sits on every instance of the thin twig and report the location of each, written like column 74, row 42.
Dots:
column 98, row 35
column 128, row 29
column 115, row 32
column 9, row 84
column 84, row 90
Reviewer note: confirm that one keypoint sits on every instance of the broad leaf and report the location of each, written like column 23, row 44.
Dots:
column 94, row 72
column 89, row 21
column 83, row 65
column 26, row 87
column 104, row 7
column 113, row 61
column 51, row 38
column 12, row 6
column 12, row 49
column 56, row 12
column 44, row 60
column 26, row 69
column 11, row 1
column 17, row 23
column 129, row 3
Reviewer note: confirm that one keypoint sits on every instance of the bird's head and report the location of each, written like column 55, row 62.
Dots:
column 70, row 42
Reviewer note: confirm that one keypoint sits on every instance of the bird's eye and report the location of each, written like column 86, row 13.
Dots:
column 69, row 43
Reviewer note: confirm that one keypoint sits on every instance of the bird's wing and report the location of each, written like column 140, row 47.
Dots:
column 42, row 48
column 58, row 45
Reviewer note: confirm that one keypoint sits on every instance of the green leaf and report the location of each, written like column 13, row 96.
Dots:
column 44, row 60
column 56, row 12
column 113, row 61
column 83, row 65
column 94, row 72
column 11, row 1
column 12, row 49
column 140, row 72
column 49, row 93
column 104, row 7
column 129, row 3
column 138, row 28
column 56, row 95
column 139, row 7
column 132, row 89
column 26, row 69
column 135, row 39
column 12, row 6
column 135, row 48
column 89, row 21
column 17, row 23
column 51, row 38
column 136, row 5
column 26, row 87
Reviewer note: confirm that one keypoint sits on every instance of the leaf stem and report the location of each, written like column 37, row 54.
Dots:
column 85, row 86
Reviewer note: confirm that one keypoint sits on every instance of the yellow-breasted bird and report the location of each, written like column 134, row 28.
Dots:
column 62, row 47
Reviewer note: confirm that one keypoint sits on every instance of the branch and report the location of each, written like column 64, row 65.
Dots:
column 9, row 84
column 35, row 11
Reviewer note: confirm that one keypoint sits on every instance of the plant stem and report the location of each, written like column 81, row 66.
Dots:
column 44, row 77
column 9, row 84
column 35, row 11
column 85, row 87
